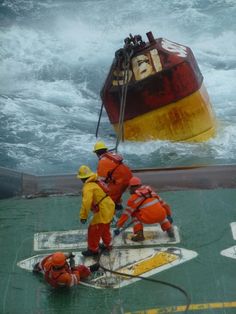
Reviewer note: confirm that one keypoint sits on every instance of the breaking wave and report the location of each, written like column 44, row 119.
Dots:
column 55, row 57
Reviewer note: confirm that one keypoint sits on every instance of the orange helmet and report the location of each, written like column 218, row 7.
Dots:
column 135, row 181
column 58, row 259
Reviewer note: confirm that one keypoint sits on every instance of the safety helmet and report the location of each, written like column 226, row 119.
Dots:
column 99, row 145
column 58, row 259
column 135, row 181
column 84, row 172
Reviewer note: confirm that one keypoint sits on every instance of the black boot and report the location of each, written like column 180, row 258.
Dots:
column 171, row 233
column 103, row 247
column 138, row 236
column 88, row 253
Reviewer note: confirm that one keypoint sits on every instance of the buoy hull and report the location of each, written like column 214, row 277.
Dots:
column 189, row 119
column 165, row 96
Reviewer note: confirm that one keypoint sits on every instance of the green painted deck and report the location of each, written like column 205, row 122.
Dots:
column 203, row 218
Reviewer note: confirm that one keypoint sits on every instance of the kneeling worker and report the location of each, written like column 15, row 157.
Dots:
column 145, row 206
column 59, row 273
column 96, row 199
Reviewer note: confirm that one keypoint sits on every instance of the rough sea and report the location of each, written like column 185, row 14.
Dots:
column 54, row 58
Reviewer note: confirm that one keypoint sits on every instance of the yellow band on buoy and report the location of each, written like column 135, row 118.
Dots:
column 189, row 119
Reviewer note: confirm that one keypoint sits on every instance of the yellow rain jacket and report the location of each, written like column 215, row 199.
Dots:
column 93, row 194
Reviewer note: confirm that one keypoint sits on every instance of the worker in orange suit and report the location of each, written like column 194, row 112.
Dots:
column 145, row 206
column 113, row 171
column 95, row 199
column 59, row 273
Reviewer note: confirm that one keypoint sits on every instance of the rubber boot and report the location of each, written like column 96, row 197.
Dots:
column 105, row 249
column 89, row 253
column 171, row 233
column 138, row 236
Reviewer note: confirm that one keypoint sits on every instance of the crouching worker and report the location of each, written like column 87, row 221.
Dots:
column 96, row 200
column 60, row 273
column 145, row 206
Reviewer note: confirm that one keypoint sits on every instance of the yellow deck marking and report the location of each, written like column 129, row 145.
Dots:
column 193, row 307
column 157, row 260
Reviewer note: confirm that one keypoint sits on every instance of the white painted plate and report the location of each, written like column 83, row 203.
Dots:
column 77, row 239
column 233, row 228
column 230, row 252
column 138, row 262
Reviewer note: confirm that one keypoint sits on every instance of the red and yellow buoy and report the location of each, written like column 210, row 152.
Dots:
column 161, row 88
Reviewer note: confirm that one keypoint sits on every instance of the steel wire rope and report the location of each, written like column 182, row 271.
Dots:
column 182, row 290
column 123, row 99
column 102, row 105
column 120, row 133
column 99, row 119
column 155, row 281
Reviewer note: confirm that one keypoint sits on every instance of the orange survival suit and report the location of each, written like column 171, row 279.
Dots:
column 145, row 206
column 115, row 173
column 65, row 276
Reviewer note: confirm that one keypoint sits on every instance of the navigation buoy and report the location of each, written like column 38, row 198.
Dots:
column 155, row 90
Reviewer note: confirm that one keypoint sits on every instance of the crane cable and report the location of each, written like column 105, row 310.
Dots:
column 125, row 54
column 99, row 119
column 120, row 133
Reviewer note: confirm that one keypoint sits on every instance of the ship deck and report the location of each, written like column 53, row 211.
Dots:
column 205, row 223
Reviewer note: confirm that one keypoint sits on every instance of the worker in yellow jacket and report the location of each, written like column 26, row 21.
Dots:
column 95, row 199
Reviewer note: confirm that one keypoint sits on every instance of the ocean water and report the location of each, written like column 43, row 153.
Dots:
column 54, row 58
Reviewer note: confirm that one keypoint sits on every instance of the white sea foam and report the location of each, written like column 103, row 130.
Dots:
column 54, row 60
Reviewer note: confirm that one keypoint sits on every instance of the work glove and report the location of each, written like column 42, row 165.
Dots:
column 83, row 221
column 36, row 269
column 170, row 219
column 116, row 232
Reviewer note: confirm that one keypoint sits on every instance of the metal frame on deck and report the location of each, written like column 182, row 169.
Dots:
column 13, row 183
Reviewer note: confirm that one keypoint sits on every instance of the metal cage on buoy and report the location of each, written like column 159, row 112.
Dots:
column 155, row 90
